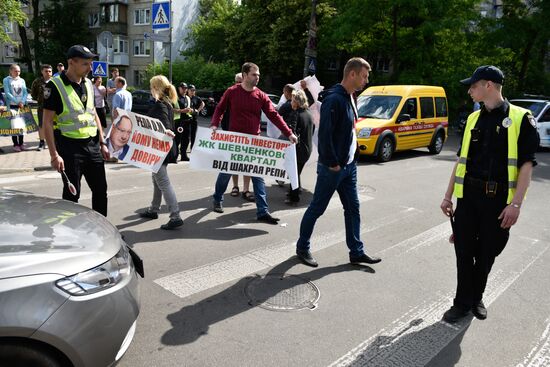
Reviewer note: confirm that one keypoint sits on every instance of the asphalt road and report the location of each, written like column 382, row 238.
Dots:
column 227, row 291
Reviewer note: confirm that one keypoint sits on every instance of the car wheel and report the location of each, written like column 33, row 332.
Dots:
column 204, row 112
column 22, row 355
column 385, row 151
column 437, row 144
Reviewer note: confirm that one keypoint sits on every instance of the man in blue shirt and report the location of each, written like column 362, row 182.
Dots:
column 336, row 168
column 122, row 98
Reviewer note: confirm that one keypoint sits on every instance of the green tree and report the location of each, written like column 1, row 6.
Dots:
column 11, row 12
column 64, row 25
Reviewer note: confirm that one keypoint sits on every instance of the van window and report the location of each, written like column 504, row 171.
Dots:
column 377, row 107
column 410, row 108
column 426, row 107
column 440, row 107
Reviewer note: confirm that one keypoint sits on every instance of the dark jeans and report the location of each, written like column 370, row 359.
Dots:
column 83, row 158
column 345, row 183
column 478, row 240
column 17, row 140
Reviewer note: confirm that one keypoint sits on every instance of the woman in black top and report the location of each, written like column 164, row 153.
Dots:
column 304, row 131
column 165, row 96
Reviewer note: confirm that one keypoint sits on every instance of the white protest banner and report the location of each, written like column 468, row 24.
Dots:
column 138, row 140
column 250, row 155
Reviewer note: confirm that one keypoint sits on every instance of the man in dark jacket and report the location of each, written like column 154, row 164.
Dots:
column 336, row 169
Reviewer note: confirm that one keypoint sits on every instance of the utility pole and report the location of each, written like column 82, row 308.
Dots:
column 170, row 44
column 310, row 62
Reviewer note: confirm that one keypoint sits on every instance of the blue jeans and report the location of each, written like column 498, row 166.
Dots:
column 345, row 182
column 259, row 192
column 163, row 187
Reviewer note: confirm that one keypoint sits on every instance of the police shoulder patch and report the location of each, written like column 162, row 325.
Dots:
column 47, row 92
column 532, row 120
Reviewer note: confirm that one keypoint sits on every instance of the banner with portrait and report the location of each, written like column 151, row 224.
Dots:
column 17, row 122
column 243, row 154
column 138, row 140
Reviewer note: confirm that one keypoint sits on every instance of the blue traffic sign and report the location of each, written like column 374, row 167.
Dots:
column 100, row 68
column 161, row 15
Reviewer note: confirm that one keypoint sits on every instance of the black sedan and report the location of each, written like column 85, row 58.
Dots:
column 141, row 101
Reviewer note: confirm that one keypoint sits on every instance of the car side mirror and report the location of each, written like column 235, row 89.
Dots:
column 404, row 117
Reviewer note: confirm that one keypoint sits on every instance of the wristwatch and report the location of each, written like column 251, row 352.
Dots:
column 516, row 205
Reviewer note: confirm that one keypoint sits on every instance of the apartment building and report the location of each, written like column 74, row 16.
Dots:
column 119, row 27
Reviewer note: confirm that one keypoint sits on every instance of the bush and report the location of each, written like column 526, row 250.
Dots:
column 196, row 70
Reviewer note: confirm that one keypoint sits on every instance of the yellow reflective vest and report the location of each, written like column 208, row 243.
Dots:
column 516, row 115
column 76, row 121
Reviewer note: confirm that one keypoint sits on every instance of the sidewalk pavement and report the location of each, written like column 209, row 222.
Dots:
column 26, row 161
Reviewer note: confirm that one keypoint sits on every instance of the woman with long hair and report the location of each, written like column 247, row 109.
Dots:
column 165, row 96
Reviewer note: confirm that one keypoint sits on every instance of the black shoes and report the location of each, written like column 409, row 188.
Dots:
column 479, row 310
column 149, row 214
column 184, row 158
column 366, row 259
column 455, row 314
column 173, row 223
column 217, row 207
column 267, row 218
column 306, row 258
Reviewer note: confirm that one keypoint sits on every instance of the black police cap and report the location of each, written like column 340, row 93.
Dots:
column 485, row 72
column 183, row 85
column 80, row 51
column 191, row 86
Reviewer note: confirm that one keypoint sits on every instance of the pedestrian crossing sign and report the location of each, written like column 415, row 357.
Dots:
column 100, row 68
column 161, row 15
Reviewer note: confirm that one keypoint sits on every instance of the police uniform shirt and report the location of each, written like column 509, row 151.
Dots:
column 88, row 148
column 52, row 98
column 195, row 104
column 488, row 153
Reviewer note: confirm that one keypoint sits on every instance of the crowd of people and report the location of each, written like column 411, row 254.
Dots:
column 489, row 179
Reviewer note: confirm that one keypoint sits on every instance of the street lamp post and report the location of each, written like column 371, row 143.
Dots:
column 310, row 52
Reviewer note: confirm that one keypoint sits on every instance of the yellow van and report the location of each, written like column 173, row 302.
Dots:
column 401, row 117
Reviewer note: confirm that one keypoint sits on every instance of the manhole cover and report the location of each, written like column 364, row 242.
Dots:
column 282, row 292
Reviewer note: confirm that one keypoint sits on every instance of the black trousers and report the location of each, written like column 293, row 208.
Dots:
column 102, row 114
column 478, row 240
column 189, row 134
column 82, row 157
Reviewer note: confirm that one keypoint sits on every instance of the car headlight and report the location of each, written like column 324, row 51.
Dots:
column 364, row 132
column 99, row 278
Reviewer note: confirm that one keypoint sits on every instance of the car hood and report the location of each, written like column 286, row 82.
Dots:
column 370, row 122
column 41, row 235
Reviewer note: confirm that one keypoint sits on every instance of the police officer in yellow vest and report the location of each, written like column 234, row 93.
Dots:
column 489, row 180
column 73, row 130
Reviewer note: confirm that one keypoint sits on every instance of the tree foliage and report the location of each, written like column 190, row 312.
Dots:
column 63, row 23
column 196, row 70
column 11, row 12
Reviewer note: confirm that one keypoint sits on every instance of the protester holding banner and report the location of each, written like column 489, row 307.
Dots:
column 246, row 101
column 165, row 96
column 73, row 130
column 37, row 93
column 337, row 168
column 15, row 91
column 303, row 129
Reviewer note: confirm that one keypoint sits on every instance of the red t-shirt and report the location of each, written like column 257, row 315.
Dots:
column 245, row 110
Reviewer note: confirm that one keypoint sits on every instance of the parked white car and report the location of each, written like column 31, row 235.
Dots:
column 541, row 111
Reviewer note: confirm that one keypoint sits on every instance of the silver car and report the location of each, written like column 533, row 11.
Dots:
column 68, row 285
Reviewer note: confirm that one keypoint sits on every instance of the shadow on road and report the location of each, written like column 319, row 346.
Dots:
column 193, row 321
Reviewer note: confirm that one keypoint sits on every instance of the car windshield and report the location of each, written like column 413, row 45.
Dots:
column 534, row 106
column 377, row 107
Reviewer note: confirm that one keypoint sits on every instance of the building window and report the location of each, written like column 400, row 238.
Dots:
column 110, row 13
column 120, row 45
column 8, row 27
column 142, row 48
column 93, row 20
column 11, row 51
column 142, row 16
column 139, row 77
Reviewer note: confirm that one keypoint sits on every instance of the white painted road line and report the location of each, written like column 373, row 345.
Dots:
column 189, row 282
column 421, row 240
column 539, row 356
column 419, row 335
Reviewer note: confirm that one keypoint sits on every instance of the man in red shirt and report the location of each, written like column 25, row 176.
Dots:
column 246, row 103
